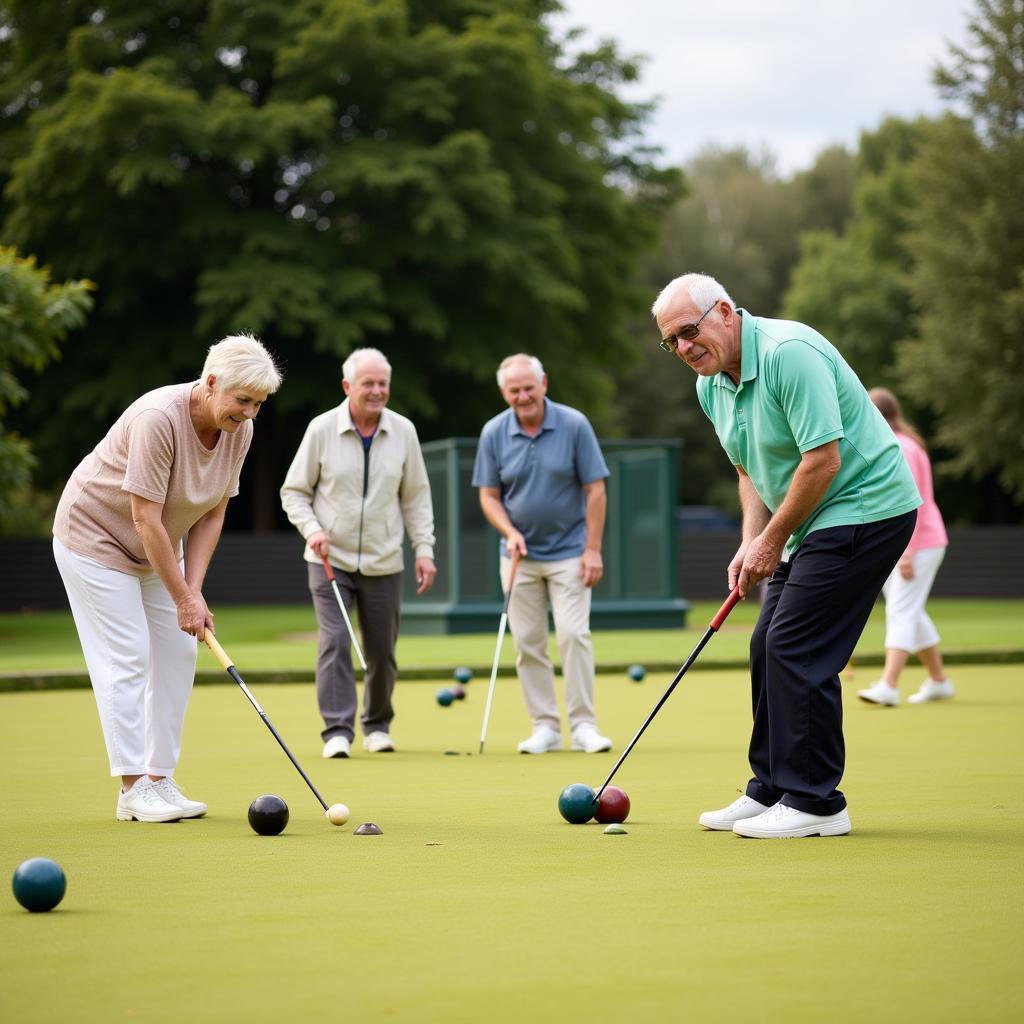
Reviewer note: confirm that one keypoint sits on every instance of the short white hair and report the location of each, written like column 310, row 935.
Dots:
column 520, row 357
column 349, row 367
column 240, row 361
column 703, row 289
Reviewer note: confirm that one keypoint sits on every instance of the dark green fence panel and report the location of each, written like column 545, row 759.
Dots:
column 639, row 589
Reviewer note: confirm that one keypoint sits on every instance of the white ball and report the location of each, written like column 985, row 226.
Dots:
column 337, row 814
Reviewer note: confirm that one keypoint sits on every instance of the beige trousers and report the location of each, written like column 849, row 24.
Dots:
column 536, row 584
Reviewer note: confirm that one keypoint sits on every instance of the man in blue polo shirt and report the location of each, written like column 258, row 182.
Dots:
column 541, row 477
column 828, row 507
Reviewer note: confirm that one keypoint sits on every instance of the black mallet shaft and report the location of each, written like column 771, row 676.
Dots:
column 212, row 642
column 716, row 623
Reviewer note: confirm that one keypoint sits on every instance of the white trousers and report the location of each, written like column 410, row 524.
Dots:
column 140, row 663
column 536, row 583
column 907, row 625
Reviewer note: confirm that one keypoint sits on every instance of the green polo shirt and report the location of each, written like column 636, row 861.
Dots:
column 796, row 393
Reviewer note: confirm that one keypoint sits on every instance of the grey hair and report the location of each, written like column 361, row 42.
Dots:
column 704, row 290
column 240, row 361
column 535, row 365
column 348, row 368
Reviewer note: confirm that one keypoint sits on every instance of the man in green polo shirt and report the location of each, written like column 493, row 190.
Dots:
column 828, row 507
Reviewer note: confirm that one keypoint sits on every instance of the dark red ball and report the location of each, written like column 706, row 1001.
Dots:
column 613, row 807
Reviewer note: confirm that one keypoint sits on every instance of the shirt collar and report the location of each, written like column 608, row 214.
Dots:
column 748, row 352
column 549, row 422
column 345, row 419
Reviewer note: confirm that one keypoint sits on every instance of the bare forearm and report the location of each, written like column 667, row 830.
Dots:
column 809, row 485
column 494, row 512
column 202, row 541
column 163, row 558
column 755, row 512
column 597, row 508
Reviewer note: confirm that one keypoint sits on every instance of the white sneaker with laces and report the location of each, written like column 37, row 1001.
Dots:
column 143, row 803
column 337, row 746
column 881, row 693
column 378, row 743
column 168, row 790
column 544, row 738
column 585, row 737
column 724, row 819
column 931, row 690
column 782, row 822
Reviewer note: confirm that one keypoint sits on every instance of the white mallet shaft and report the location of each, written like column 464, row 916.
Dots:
column 344, row 612
column 502, row 623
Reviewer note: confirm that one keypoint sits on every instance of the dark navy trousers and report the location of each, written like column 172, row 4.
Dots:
column 814, row 611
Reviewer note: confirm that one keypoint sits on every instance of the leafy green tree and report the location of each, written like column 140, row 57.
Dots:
column 439, row 178
column 853, row 286
column 966, row 362
column 740, row 222
column 35, row 317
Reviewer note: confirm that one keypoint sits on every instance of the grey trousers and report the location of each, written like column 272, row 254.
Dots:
column 379, row 602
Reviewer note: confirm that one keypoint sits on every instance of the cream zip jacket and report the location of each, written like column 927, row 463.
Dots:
column 361, row 500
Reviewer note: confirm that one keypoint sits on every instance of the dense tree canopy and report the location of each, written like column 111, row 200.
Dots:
column 967, row 248
column 438, row 178
column 740, row 222
column 35, row 317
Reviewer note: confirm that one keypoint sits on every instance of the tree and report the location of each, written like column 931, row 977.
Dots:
column 35, row 317
column 739, row 222
column 439, row 178
column 853, row 286
column 967, row 243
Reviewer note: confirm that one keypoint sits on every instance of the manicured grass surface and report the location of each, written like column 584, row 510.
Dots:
column 284, row 637
column 479, row 904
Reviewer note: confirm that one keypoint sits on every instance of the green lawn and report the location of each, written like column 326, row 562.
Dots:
column 262, row 638
column 479, row 904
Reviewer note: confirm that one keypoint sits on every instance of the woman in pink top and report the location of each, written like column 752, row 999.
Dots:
column 162, row 475
column 908, row 629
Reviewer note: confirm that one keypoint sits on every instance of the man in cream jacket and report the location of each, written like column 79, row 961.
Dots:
column 357, row 477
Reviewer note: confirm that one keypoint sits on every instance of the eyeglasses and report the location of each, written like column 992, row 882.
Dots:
column 687, row 332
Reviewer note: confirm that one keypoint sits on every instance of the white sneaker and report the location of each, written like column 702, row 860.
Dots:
column 723, row 820
column 931, row 690
column 378, row 743
column 782, row 822
column 586, row 737
column 143, row 803
column 168, row 790
column 337, row 746
column 881, row 693
column 544, row 738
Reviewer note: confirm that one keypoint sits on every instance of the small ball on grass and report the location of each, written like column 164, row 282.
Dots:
column 636, row 673
column 39, row 884
column 463, row 674
column 459, row 692
column 444, row 697
column 613, row 806
column 268, row 815
column 337, row 814
column 576, row 803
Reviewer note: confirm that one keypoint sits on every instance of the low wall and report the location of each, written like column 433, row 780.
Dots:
column 268, row 568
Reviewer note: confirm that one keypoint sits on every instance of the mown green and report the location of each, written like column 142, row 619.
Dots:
column 479, row 903
column 283, row 637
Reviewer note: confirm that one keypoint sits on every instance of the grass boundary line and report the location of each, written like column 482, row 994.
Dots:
column 17, row 682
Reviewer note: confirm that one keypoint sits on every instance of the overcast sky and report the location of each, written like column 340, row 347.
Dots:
column 792, row 76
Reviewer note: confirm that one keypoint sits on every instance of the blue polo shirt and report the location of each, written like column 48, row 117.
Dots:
column 541, row 478
column 796, row 392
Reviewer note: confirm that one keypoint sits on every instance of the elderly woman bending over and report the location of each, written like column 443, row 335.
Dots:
column 162, row 475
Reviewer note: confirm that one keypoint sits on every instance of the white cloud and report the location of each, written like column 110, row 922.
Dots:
column 789, row 75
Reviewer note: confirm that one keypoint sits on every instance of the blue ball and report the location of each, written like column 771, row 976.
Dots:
column 576, row 803
column 463, row 674
column 636, row 673
column 39, row 884
column 445, row 697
